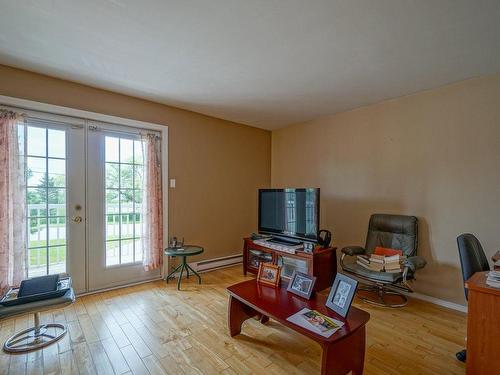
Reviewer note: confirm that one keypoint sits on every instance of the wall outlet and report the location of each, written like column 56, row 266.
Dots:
column 172, row 183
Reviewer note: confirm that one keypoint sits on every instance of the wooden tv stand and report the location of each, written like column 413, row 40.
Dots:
column 322, row 263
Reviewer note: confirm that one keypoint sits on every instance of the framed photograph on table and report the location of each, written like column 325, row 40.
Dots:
column 341, row 294
column 301, row 284
column 269, row 274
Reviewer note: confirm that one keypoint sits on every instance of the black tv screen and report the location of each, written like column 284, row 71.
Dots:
column 289, row 212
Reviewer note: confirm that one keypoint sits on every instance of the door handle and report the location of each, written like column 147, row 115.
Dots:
column 77, row 219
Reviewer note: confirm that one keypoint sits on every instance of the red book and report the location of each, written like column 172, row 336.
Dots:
column 386, row 251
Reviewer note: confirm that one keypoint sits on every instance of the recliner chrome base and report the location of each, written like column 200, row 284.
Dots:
column 381, row 292
column 35, row 337
column 381, row 289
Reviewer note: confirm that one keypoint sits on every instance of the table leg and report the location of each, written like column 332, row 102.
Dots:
column 188, row 267
column 183, row 265
column 238, row 312
column 345, row 355
column 171, row 273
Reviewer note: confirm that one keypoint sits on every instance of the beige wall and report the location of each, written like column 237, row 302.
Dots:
column 435, row 155
column 218, row 165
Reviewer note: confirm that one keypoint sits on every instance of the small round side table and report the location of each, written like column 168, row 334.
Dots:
column 184, row 252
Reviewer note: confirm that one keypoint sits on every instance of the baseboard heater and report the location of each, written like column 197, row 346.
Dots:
column 211, row 264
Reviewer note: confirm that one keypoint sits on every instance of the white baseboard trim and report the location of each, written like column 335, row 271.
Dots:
column 212, row 264
column 439, row 302
column 209, row 265
column 118, row 287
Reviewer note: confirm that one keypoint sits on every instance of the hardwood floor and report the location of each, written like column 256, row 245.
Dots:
column 154, row 329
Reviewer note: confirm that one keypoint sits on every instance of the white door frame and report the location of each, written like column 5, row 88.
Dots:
column 87, row 115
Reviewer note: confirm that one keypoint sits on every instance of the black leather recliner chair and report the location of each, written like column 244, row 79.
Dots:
column 390, row 231
column 472, row 260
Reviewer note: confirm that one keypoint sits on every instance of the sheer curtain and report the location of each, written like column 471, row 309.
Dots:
column 12, row 200
column 152, row 203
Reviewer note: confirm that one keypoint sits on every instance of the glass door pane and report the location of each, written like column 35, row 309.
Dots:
column 123, row 198
column 46, row 200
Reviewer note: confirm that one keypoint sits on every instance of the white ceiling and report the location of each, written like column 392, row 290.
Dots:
column 266, row 63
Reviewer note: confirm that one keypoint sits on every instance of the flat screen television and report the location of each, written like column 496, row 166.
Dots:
column 291, row 213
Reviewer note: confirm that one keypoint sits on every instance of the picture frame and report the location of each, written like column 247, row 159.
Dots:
column 269, row 274
column 342, row 294
column 301, row 284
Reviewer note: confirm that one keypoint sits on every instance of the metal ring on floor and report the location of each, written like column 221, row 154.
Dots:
column 381, row 292
column 34, row 338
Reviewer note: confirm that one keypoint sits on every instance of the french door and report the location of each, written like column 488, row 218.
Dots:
column 54, row 150
column 115, row 190
column 84, row 199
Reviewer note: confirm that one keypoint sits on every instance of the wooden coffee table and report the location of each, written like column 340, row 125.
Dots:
column 344, row 351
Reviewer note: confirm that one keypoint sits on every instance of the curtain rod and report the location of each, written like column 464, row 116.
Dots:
column 13, row 111
column 139, row 132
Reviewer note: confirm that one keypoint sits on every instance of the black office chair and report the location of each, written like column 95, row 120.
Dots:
column 35, row 296
column 472, row 260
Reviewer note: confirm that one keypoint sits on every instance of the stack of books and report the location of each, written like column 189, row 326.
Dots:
column 381, row 263
column 493, row 279
column 392, row 264
column 366, row 262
